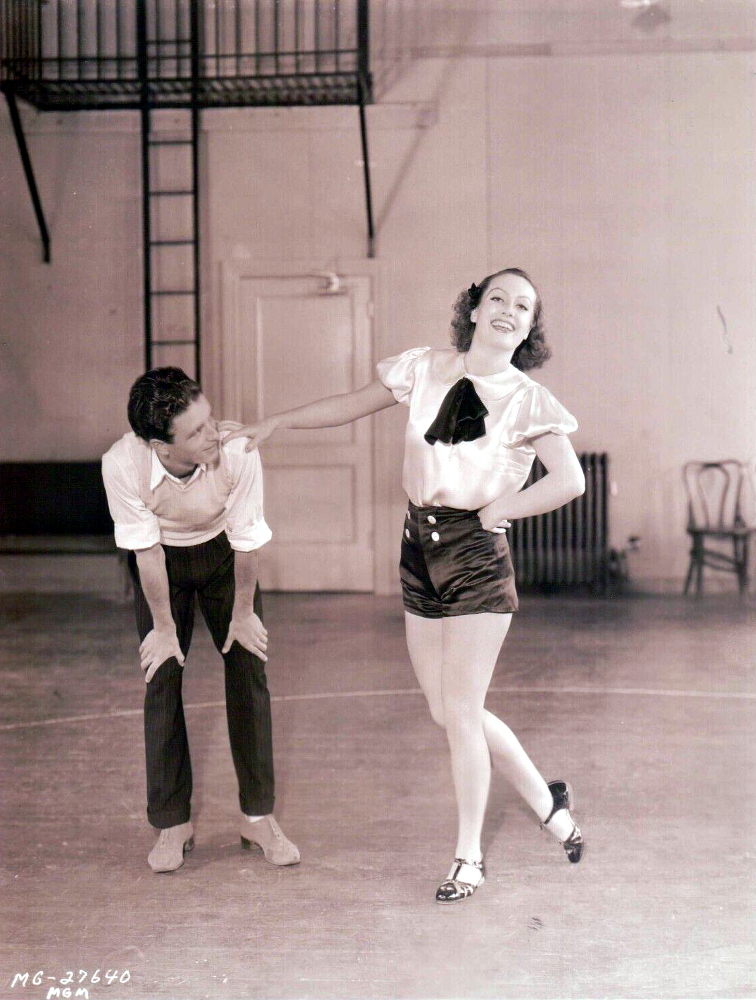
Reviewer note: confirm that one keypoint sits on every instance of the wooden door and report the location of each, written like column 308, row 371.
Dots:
column 289, row 342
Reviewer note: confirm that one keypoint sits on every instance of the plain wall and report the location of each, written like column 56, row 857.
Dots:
column 622, row 182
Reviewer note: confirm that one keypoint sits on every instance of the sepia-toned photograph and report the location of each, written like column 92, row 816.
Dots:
column 378, row 499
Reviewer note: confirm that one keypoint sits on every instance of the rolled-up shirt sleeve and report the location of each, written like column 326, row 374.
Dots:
column 136, row 527
column 245, row 522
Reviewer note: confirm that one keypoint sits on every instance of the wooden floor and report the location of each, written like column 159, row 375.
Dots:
column 645, row 705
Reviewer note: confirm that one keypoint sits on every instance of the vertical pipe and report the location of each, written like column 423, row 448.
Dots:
column 590, row 490
column 79, row 38
column 366, row 173
column 528, row 524
column 600, row 517
column 579, row 504
column 604, row 521
column 217, row 40
column 317, row 35
column 363, row 48
column 540, row 550
column 19, row 26
column 40, row 64
column 591, row 517
column 29, row 172
column 257, row 37
column 120, row 71
column 563, row 545
column 98, row 36
column 194, row 37
column 141, row 24
column 20, row 11
column 559, row 545
column 549, row 551
column 59, row 26
column 277, row 33
column 177, row 35
column 32, row 17
column 61, row 42
column 158, row 54
column 296, row 35
column 237, row 35
column 571, row 541
column 9, row 48
column 533, row 539
column 18, row 40
column 596, row 519
column 23, row 38
column 13, row 36
column 336, row 33
column 516, row 540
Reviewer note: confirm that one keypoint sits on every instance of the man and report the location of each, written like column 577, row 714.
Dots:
column 190, row 512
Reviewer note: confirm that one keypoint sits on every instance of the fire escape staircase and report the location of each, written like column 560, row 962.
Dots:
column 170, row 60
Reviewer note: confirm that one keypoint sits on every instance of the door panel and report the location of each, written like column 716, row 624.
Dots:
column 295, row 343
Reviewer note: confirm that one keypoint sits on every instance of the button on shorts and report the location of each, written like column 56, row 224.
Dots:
column 450, row 565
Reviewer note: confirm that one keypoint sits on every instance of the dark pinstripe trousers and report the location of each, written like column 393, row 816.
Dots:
column 207, row 571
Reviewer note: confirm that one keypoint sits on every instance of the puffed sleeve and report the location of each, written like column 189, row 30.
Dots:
column 540, row 413
column 398, row 373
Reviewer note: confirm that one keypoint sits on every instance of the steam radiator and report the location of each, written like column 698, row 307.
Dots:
column 569, row 546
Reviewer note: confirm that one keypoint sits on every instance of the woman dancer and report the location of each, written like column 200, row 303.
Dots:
column 476, row 423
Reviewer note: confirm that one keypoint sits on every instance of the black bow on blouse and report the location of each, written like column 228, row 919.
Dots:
column 460, row 416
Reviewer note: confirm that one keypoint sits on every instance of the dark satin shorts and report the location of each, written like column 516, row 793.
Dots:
column 451, row 565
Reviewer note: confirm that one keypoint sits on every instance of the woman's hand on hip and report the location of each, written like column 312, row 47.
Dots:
column 493, row 519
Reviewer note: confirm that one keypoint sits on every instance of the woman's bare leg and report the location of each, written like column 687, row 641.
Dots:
column 471, row 645
column 425, row 644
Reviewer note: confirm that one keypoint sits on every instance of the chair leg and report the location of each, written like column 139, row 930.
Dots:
column 746, row 574
column 740, row 546
column 689, row 577
column 699, row 574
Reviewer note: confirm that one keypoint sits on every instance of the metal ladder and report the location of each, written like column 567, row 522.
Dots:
column 170, row 207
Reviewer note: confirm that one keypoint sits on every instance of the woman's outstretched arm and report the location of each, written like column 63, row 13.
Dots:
column 329, row 412
column 563, row 482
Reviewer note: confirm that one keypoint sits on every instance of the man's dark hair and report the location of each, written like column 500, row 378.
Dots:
column 156, row 398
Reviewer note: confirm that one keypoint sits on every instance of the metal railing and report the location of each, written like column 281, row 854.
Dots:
column 75, row 55
column 85, row 52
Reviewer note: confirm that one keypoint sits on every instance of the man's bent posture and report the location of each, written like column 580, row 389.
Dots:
column 190, row 511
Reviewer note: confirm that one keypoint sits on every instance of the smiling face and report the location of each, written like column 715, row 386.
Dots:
column 506, row 312
column 195, row 440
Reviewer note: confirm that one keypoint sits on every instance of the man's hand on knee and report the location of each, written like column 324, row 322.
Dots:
column 250, row 633
column 158, row 646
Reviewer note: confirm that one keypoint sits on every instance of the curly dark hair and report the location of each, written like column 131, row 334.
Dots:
column 156, row 398
column 531, row 353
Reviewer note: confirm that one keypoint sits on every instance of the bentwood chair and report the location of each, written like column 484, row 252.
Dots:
column 715, row 521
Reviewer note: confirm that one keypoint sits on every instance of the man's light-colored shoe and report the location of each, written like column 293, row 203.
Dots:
column 267, row 834
column 168, row 853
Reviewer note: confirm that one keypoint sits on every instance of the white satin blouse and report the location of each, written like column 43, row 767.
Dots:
column 470, row 474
